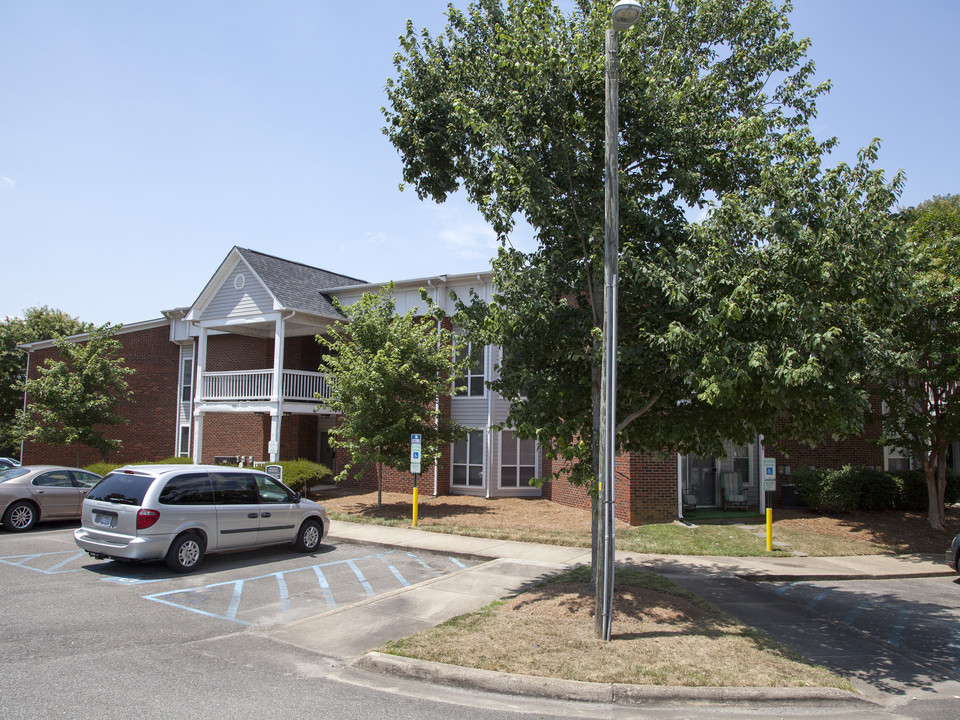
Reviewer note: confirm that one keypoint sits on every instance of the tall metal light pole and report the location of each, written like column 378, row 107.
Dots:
column 625, row 13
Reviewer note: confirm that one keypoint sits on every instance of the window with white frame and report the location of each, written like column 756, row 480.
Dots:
column 895, row 459
column 184, row 449
column 468, row 460
column 471, row 384
column 186, row 380
column 518, row 460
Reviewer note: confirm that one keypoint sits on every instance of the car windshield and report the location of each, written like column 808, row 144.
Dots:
column 121, row 488
column 11, row 473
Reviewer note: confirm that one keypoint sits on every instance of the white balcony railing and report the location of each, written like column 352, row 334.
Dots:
column 251, row 385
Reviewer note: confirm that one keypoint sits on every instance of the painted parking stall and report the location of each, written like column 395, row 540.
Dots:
column 284, row 596
column 258, row 588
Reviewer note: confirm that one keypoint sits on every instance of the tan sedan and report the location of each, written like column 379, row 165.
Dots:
column 35, row 493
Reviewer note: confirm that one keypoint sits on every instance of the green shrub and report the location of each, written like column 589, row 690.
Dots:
column 102, row 468
column 808, row 482
column 298, row 474
column 839, row 492
column 864, row 488
column 913, row 490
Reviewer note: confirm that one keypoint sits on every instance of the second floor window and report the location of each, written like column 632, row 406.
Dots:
column 471, row 384
column 186, row 380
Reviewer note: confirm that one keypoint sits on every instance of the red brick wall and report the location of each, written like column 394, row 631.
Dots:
column 650, row 496
column 645, row 490
column 300, row 353
column 235, row 434
column 561, row 491
column 226, row 353
column 151, row 434
column 861, row 450
column 298, row 437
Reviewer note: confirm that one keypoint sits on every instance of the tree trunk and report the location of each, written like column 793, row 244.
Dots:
column 935, row 475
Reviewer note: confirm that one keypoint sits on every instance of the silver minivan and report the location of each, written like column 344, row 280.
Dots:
column 181, row 512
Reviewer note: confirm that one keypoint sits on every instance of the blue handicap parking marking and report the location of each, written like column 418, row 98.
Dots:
column 32, row 562
column 351, row 579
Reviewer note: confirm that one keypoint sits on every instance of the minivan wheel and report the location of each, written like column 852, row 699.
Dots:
column 308, row 539
column 20, row 516
column 185, row 554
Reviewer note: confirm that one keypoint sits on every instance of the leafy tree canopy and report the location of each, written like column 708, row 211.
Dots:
column 755, row 318
column 922, row 388
column 389, row 372
column 41, row 323
column 72, row 401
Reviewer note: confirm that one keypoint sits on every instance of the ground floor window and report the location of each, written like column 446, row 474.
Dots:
column 518, row 460
column 468, row 460
column 896, row 459
column 184, row 449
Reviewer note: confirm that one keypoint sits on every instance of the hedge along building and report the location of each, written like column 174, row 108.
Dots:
column 235, row 375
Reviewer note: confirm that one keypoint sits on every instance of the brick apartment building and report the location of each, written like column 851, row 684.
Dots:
column 235, row 375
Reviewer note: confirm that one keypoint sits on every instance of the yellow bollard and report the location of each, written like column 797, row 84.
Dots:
column 769, row 529
column 414, row 505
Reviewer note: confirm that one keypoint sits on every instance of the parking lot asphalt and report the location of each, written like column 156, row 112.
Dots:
column 509, row 567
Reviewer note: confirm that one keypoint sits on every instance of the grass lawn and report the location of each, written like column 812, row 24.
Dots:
column 543, row 521
column 662, row 635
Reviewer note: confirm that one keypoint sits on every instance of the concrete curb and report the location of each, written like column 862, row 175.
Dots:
column 826, row 577
column 530, row 686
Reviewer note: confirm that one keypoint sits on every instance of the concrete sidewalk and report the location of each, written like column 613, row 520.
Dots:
column 752, row 568
column 348, row 633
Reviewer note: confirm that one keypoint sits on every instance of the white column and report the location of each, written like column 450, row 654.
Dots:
column 760, row 456
column 198, row 395
column 198, row 438
column 276, row 414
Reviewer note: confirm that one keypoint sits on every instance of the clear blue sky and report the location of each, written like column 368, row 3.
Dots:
column 140, row 141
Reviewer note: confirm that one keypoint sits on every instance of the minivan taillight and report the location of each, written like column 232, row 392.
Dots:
column 146, row 518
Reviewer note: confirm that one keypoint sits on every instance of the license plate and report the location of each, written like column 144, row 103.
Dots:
column 104, row 520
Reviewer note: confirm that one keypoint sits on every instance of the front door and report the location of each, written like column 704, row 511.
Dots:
column 325, row 454
column 702, row 479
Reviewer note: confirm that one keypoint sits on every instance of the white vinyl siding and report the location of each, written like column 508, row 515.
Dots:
column 471, row 412
column 252, row 299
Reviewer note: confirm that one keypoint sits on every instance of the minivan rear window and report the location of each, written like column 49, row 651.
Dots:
column 122, row 488
column 189, row 489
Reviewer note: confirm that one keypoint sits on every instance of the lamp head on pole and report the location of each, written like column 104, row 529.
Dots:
column 625, row 13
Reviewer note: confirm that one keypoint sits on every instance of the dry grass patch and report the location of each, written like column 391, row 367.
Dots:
column 544, row 521
column 662, row 635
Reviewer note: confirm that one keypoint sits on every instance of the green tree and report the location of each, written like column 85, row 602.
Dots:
column 41, row 323
column 922, row 392
column 72, row 401
column 389, row 372
column 753, row 320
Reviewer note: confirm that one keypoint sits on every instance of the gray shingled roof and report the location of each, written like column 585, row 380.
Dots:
column 295, row 285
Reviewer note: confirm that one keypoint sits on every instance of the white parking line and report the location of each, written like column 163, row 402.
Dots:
column 22, row 560
column 180, row 598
